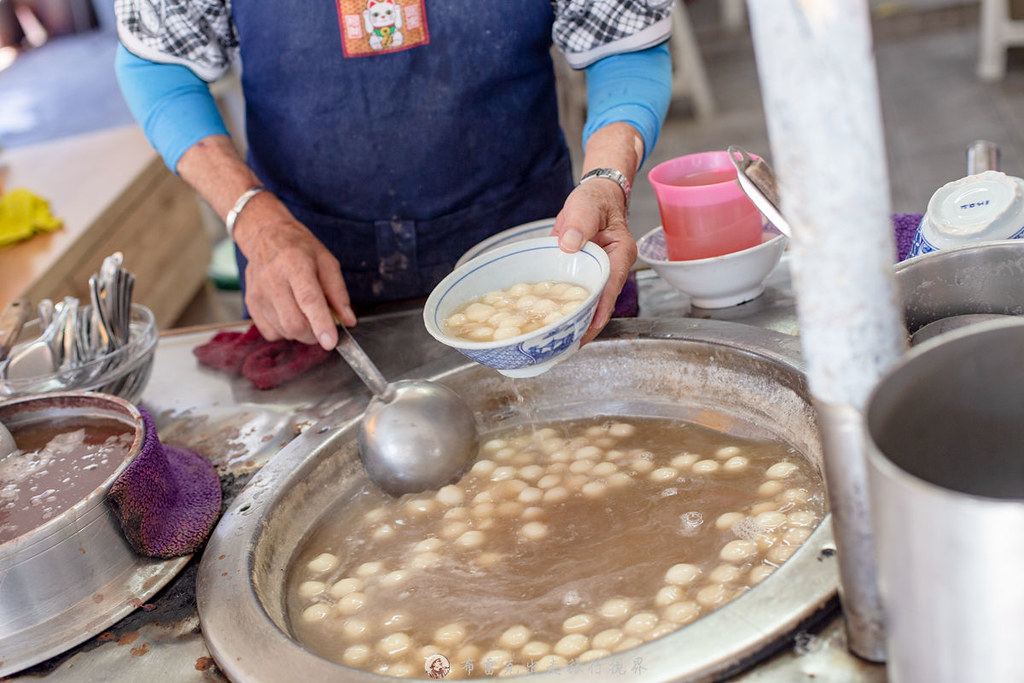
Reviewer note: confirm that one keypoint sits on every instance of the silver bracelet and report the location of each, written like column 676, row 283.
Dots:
column 610, row 174
column 229, row 220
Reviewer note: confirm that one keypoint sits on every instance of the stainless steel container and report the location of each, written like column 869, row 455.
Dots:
column 697, row 370
column 74, row 575
column 946, row 429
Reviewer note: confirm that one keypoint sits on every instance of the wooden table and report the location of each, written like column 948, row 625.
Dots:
column 113, row 193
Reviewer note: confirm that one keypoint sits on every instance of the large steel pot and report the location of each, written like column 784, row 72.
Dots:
column 74, row 575
column 690, row 369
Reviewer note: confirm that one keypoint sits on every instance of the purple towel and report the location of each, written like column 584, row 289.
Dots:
column 905, row 225
column 167, row 499
column 628, row 303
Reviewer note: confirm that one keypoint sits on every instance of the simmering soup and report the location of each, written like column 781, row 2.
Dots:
column 562, row 545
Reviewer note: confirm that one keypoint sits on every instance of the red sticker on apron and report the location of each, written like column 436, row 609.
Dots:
column 370, row 27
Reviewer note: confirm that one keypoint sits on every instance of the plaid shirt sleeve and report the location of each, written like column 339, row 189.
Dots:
column 198, row 34
column 587, row 30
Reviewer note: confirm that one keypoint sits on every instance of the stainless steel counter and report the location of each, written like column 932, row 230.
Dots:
column 239, row 428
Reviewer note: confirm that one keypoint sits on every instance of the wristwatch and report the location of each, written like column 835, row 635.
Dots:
column 610, row 174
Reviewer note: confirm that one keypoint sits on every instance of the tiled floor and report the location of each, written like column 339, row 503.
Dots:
column 933, row 104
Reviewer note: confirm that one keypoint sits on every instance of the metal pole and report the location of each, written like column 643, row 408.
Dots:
column 820, row 91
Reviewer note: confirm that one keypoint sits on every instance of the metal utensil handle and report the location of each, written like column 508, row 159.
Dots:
column 982, row 155
column 12, row 320
column 362, row 365
column 762, row 197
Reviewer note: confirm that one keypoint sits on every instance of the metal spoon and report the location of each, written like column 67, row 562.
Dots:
column 415, row 434
column 757, row 180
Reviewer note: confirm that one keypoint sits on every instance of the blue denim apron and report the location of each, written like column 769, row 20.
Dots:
column 399, row 162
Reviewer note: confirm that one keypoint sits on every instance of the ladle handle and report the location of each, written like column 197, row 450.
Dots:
column 362, row 365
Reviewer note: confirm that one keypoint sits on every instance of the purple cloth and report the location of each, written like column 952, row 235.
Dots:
column 167, row 499
column 905, row 225
column 628, row 303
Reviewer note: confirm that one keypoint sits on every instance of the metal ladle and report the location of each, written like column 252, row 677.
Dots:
column 415, row 434
column 757, row 180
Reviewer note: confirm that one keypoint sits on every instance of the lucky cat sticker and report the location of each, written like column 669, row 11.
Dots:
column 370, row 27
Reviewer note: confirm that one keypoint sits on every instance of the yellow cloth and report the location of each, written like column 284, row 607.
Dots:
column 23, row 214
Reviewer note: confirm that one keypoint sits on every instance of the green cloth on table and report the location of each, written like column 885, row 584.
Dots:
column 23, row 214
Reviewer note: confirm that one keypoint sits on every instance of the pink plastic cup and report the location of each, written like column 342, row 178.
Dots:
column 704, row 212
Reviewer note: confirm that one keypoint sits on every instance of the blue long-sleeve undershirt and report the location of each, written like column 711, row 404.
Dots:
column 176, row 109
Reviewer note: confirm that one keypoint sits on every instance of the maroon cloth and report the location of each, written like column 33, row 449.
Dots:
column 168, row 498
column 264, row 363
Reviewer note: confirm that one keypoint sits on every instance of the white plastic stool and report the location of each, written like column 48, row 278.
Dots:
column 998, row 32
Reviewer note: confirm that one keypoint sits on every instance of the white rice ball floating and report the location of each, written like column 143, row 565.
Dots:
column 509, row 508
column 451, row 495
column 667, row 595
column 311, row 589
column 394, row 645
column 345, row 586
column 616, row 608
column 796, row 495
column 531, row 473
column 324, row 562
column 770, row 520
column 425, row 561
column 551, row 662
column 502, row 473
column 383, row 532
column 663, row 474
column 471, row 539
column 457, row 513
column 764, row 506
column 739, row 550
column 354, row 627
column 628, row 643
column 726, row 452
column 796, row 536
column 355, row 655
column 588, row 453
column 402, row 670
column 640, row 623
column 392, row 579
column 725, row 573
column 560, row 456
column 396, row 620
column 429, row 651
column 682, row 574
column 781, row 470
column 641, row 466
column 483, row 467
column 533, row 531
column 591, row 655
column 505, row 454
column 621, row 429
column 736, row 463
column 535, row 649
column 705, row 466
column 496, row 658
column 419, row 507
column 530, row 495
column 780, row 553
column 684, row 460
column 578, row 623
column 619, row 479
column 802, row 518
column 532, row 513
column 728, row 520
column 428, row 545
column 581, row 466
column 478, row 312
column 454, row 529
column 549, row 481
column 593, row 489
column 467, row 652
column 603, row 469
column 711, row 595
column 482, row 511
column 556, row 495
column 607, row 639
column 772, row 487
column 316, row 612
column 681, row 612
column 662, row 629
column 572, row 645
column 369, row 569
column 450, row 635
column 759, row 574
column 351, row 603
column 514, row 637
column 481, row 333
column 378, row 514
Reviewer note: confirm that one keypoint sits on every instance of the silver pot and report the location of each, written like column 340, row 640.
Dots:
column 74, row 575
column 637, row 368
column 947, row 491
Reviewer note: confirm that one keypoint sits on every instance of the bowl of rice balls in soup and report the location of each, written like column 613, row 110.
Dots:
column 521, row 308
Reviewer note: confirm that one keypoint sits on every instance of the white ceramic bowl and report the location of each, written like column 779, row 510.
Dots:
column 527, row 261
column 541, row 228
column 720, row 281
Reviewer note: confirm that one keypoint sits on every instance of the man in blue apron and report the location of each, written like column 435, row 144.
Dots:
column 386, row 137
